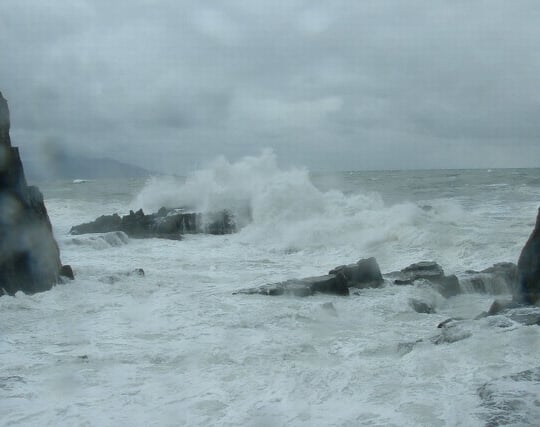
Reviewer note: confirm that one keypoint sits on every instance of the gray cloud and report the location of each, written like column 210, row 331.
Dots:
column 330, row 85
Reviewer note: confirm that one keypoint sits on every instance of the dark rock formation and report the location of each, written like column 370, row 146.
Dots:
column 329, row 284
column 29, row 255
column 364, row 274
column 430, row 272
column 501, row 278
column 528, row 289
column 67, row 271
column 165, row 224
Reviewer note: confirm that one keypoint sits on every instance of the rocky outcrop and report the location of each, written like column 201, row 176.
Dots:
column 429, row 272
column 165, row 224
column 501, row 278
column 29, row 255
column 364, row 274
column 329, row 284
column 528, row 289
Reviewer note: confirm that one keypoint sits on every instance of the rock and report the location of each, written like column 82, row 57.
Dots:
column 452, row 331
column 499, row 279
column 511, row 400
column 404, row 348
column 527, row 316
column 364, row 274
column 430, row 272
column 421, row 306
column 329, row 308
column 165, row 224
column 67, row 271
column 29, row 255
column 137, row 272
column 329, row 284
column 528, row 289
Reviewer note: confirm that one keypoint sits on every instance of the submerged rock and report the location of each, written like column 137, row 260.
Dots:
column 452, row 330
column 430, row 272
column 511, row 400
column 421, row 306
column 528, row 289
column 165, row 224
column 29, row 255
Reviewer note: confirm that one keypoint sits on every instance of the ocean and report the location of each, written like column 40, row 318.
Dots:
column 175, row 347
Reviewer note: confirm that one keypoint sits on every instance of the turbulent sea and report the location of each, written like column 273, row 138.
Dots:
column 176, row 347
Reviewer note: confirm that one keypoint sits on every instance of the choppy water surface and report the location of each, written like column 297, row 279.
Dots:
column 175, row 347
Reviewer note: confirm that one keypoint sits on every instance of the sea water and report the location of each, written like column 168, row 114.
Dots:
column 176, row 347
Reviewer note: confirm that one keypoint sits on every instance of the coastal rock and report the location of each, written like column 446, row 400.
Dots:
column 452, row 330
column 364, row 274
column 501, row 278
column 67, row 271
column 29, row 255
column 511, row 400
column 329, row 284
column 430, row 272
column 421, row 306
column 528, row 289
column 165, row 224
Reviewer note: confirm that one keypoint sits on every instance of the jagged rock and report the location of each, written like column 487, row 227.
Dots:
column 29, row 255
column 165, row 224
column 528, row 290
column 501, row 278
column 67, row 271
column 364, row 274
column 329, row 284
column 421, row 306
column 430, row 272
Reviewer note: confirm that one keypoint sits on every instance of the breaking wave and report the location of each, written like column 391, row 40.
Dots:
column 101, row 241
column 285, row 210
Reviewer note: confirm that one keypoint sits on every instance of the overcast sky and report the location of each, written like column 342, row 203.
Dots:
column 336, row 85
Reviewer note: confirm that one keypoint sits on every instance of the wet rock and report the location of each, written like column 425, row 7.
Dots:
column 499, row 279
column 329, row 284
column 429, row 272
column 511, row 400
column 329, row 308
column 404, row 348
column 137, row 272
column 421, row 306
column 67, row 271
column 29, row 255
column 165, row 224
column 364, row 274
column 525, row 315
column 452, row 331
column 528, row 289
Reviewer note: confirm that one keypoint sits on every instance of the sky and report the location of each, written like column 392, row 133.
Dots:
column 329, row 85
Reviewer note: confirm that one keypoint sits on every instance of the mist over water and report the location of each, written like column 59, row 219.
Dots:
column 175, row 347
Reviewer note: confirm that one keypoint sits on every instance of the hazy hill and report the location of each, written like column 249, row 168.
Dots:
column 67, row 166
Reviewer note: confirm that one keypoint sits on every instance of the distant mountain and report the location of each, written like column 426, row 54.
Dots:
column 67, row 166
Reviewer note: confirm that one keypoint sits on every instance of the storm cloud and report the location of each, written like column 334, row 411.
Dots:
column 340, row 85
